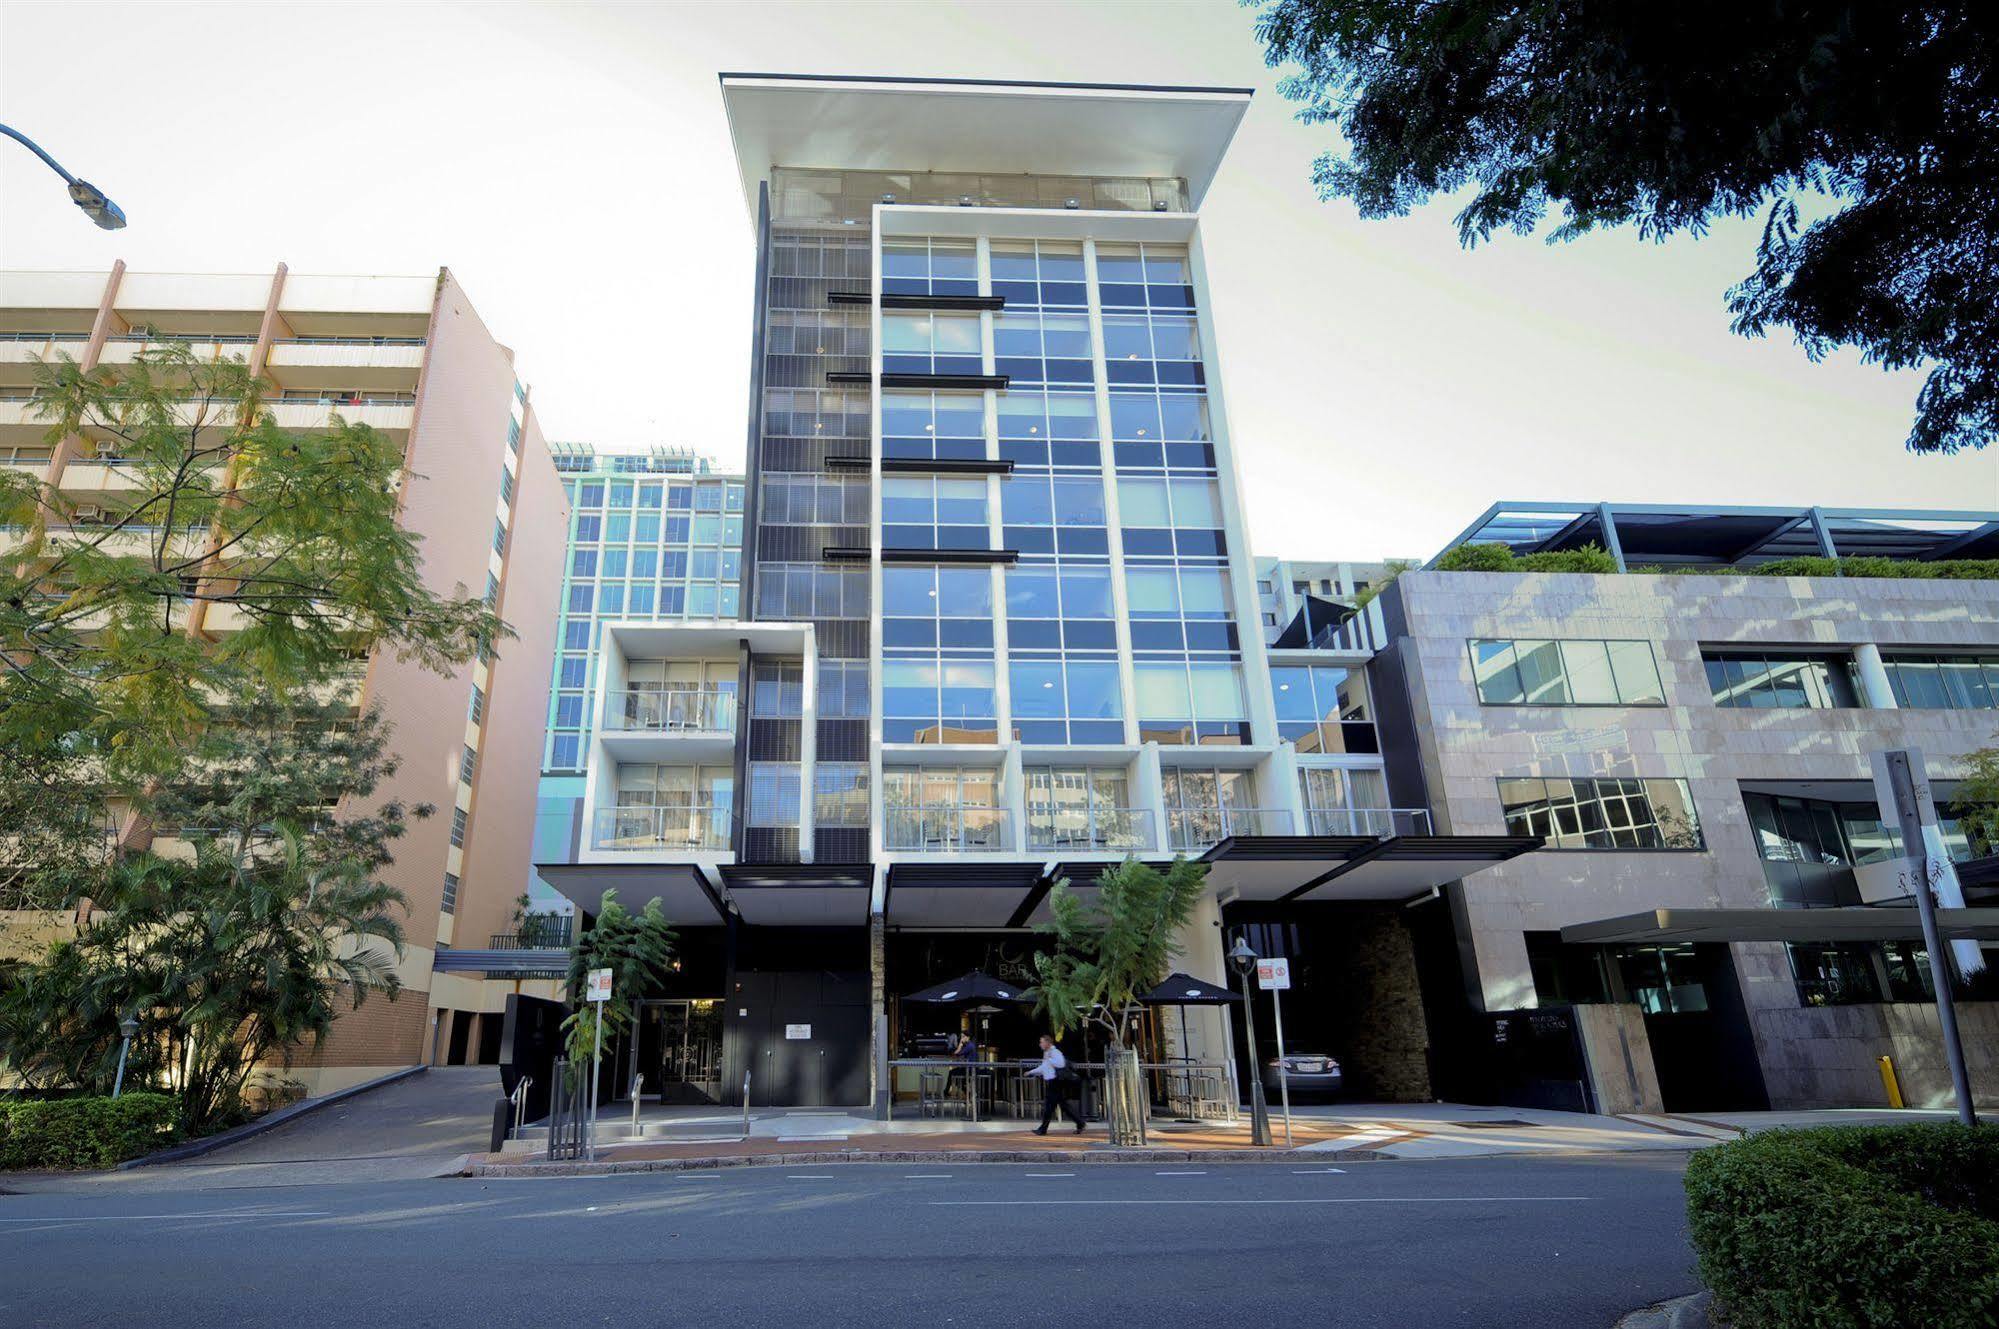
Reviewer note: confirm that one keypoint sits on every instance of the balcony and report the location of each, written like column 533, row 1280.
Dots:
column 1367, row 821
column 1195, row 829
column 1071, row 830
column 385, row 413
column 947, row 829
column 699, row 711
column 695, row 827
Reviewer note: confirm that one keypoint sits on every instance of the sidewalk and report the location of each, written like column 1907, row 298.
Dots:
column 703, row 1138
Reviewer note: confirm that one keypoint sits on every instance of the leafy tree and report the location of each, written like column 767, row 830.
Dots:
column 229, row 962
column 1976, row 802
column 236, row 959
column 638, row 950
column 295, row 531
column 1390, row 570
column 1106, row 954
column 1862, row 130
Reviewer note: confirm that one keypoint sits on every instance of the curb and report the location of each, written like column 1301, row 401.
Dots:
column 579, row 1169
column 269, row 1121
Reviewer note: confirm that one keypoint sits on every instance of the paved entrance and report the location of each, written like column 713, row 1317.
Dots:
column 412, row 1128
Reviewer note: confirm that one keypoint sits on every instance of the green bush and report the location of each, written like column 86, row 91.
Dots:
column 1494, row 557
column 1851, row 1227
column 84, row 1132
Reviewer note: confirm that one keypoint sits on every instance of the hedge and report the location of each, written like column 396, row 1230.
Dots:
column 84, row 1132
column 1494, row 557
column 1851, row 1227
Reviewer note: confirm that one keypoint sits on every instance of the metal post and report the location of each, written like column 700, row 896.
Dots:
column 1902, row 780
column 746, row 1105
column 118, row 1085
column 596, row 1058
column 1283, row 1071
column 1259, row 1112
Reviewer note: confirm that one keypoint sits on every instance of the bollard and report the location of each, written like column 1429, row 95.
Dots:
column 1889, row 1082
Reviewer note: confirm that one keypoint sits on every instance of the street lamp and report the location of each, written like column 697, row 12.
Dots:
column 128, row 1027
column 108, row 215
column 1244, row 960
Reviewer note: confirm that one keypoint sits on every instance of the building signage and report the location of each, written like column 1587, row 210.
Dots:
column 600, row 985
column 798, row 1031
column 1273, row 974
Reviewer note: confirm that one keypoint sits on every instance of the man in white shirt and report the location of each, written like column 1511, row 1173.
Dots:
column 1059, row 1086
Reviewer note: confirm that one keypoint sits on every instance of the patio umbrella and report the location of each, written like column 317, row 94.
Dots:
column 1178, row 989
column 971, row 986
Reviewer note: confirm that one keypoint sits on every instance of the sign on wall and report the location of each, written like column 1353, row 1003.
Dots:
column 798, row 1031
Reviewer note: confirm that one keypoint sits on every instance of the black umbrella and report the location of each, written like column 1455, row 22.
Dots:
column 972, row 986
column 1179, row 990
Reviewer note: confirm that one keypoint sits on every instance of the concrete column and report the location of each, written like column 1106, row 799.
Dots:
column 1120, row 601
column 1149, row 791
column 1201, row 956
column 93, row 351
column 1013, row 797
column 1875, row 690
column 1280, row 771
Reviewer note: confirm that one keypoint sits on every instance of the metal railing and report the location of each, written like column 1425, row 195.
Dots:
column 546, row 932
column 568, row 1112
column 947, row 828
column 1202, row 828
column 675, row 710
column 347, row 341
column 1367, row 821
column 1090, row 829
column 520, row 1101
column 695, row 826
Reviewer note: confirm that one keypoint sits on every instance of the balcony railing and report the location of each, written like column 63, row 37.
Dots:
column 537, row 932
column 1367, row 821
column 1203, row 828
column 947, row 828
column 1091, row 830
column 697, row 826
column 675, row 710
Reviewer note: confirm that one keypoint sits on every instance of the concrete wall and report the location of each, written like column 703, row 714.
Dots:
column 1465, row 747
column 1827, row 1056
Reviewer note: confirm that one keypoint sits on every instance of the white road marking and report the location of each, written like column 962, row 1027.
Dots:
column 1315, row 1171
column 1363, row 1199
column 1179, row 1174
column 926, row 1176
column 810, row 1176
column 1048, row 1174
column 167, row 1218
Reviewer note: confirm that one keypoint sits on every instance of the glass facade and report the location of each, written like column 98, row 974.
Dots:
column 1766, row 680
column 1566, row 673
column 661, row 544
column 1945, row 682
column 1603, row 812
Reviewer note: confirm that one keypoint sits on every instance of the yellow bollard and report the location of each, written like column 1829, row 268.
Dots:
column 1889, row 1082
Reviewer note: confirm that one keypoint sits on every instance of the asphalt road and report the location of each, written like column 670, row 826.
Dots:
column 1540, row 1242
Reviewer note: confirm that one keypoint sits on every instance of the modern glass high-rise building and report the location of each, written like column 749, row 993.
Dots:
column 999, row 623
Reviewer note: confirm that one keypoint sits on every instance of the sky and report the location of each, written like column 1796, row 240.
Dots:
column 571, row 164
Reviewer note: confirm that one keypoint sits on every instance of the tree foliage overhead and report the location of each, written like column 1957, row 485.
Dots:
column 1866, row 132
column 637, row 949
column 1110, row 950
column 293, row 532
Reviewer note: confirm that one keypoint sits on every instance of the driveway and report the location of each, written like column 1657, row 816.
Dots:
column 413, row 1128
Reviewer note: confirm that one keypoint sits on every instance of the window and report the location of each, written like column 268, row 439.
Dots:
column 450, row 902
column 923, row 425
column 1066, row 700
column 774, row 791
column 499, row 536
column 1323, row 708
column 840, row 793
column 1344, row 801
column 1604, row 812
column 932, row 342
column 929, row 267
column 1945, row 682
column 811, row 590
column 1779, row 681
column 467, row 763
column 932, row 608
column 1566, row 673
column 843, row 689
column 813, row 500
column 934, row 512
column 1204, row 807
column 939, row 701
column 458, row 827
column 1083, row 808
column 506, row 485
column 1188, row 701
column 1057, row 429
column 777, row 689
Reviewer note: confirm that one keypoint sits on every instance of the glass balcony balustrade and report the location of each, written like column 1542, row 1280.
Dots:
column 947, row 828
column 1091, row 829
column 688, row 826
column 1367, row 821
column 1202, row 828
column 674, row 710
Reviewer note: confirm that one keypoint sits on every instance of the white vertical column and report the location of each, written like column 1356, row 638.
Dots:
column 1120, row 602
column 996, row 532
column 1013, row 797
column 1149, row 791
column 1875, row 689
column 808, row 745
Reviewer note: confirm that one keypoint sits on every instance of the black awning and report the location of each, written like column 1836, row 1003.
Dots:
column 1320, row 868
column 683, row 893
column 1844, row 923
column 800, row 894
column 958, row 894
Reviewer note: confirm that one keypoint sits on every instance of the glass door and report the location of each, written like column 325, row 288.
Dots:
column 690, row 1051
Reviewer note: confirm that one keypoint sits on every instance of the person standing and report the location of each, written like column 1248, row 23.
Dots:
column 1060, row 1086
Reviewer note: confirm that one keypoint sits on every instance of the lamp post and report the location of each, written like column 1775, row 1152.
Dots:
column 108, row 215
column 1244, row 960
column 128, row 1027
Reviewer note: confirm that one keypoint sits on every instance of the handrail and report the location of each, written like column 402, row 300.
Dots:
column 520, row 1097
column 692, row 710
column 1367, row 821
column 1053, row 826
column 1192, row 828
column 947, row 827
column 686, row 826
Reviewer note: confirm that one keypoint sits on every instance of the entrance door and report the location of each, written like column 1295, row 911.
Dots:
column 682, row 1041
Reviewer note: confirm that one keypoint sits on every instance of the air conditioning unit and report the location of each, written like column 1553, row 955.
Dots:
column 88, row 512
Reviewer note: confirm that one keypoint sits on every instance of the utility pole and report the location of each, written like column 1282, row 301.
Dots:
column 1910, row 792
